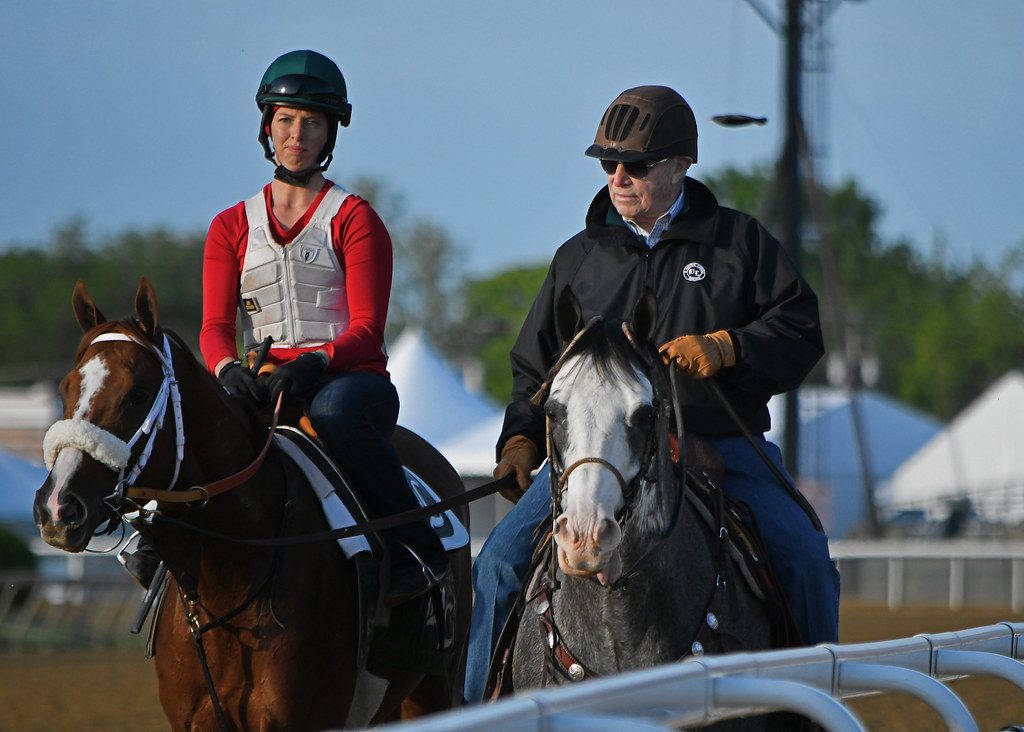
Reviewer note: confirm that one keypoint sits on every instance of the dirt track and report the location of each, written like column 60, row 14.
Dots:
column 113, row 691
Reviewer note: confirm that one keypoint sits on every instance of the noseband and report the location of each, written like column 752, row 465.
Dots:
column 564, row 477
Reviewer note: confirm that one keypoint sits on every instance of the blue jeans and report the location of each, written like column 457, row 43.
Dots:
column 798, row 553
column 354, row 413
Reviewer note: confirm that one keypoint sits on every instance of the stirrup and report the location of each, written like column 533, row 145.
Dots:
column 427, row 581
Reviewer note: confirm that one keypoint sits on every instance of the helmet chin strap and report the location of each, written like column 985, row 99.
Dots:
column 299, row 177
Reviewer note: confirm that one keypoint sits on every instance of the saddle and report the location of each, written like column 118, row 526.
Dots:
column 740, row 548
column 419, row 633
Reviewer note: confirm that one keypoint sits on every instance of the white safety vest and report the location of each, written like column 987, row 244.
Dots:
column 294, row 293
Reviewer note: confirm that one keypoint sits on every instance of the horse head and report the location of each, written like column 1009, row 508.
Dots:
column 602, row 409
column 113, row 392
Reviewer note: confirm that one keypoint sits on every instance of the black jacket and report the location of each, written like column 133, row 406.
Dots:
column 713, row 268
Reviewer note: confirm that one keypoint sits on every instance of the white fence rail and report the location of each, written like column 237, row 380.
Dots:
column 809, row 681
column 45, row 613
column 956, row 573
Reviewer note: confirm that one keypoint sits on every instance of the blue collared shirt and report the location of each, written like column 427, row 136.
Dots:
column 654, row 235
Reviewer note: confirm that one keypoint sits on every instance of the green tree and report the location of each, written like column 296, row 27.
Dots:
column 36, row 285
column 427, row 270
column 494, row 309
column 15, row 552
column 942, row 334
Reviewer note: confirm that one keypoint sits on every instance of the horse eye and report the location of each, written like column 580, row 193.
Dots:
column 641, row 416
column 134, row 397
column 554, row 411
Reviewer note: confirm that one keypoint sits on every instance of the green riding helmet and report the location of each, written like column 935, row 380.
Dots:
column 303, row 80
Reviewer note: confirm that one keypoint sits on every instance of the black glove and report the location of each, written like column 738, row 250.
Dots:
column 297, row 377
column 240, row 381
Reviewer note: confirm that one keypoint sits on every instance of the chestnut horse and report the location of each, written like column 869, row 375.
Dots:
column 247, row 635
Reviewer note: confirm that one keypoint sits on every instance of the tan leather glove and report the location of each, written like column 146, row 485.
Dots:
column 519, row 456
column 700, row 356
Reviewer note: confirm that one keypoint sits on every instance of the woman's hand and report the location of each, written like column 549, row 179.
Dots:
column 241, row 382
column 297, row 377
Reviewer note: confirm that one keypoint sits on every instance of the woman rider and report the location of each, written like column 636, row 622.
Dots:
column 309, row 264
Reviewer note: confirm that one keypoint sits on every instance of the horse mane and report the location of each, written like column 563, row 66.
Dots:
column 243, row 409
column 609, row 349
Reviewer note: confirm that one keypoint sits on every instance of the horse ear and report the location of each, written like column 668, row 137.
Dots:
column 645, row 315
column 568, row 315
column 86, row 312
column 146, row 308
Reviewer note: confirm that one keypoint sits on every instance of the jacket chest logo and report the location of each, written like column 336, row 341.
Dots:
column 694, row 272
column 308, row 254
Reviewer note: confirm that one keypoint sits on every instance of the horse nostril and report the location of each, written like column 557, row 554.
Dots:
column 606, row 533
column 72, row 513
column 565, row 530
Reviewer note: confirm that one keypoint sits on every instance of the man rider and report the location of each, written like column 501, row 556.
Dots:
column 731, row 305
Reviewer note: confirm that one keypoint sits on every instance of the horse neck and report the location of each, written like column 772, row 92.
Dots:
column 221, row 441
column 651, row 618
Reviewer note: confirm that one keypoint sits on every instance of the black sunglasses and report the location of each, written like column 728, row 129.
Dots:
column 638, row 169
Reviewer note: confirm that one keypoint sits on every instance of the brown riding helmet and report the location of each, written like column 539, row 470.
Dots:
column 646, row 123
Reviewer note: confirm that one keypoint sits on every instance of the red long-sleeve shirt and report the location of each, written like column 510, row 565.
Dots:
column 363, row 247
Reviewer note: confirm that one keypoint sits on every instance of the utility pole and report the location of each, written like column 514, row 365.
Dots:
column 789, row 174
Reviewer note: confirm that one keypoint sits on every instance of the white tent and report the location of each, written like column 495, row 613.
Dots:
column 830, row 461
column 434, row 402
column 472, row 450
column 980, row 455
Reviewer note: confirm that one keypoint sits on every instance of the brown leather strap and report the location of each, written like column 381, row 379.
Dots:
column 201, row 493
column 565, row 662
column 368, row 527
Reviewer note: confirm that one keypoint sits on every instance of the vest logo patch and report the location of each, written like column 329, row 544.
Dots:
column 694, row 272
column 309, row 254
column 251, row 306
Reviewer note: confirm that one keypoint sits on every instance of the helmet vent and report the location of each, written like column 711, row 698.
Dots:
column 647, row 118
column 621, row 119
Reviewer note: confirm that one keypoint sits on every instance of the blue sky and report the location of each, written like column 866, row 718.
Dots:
column 139, row 114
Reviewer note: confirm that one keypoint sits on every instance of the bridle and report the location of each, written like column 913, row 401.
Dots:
column 115, row 453
column 110, row 450
column 649, row 470
column 564, row 477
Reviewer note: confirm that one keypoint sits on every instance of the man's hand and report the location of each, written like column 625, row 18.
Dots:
column 241, row 382
column 519, row 457
column 700, row 356
column 297, row 377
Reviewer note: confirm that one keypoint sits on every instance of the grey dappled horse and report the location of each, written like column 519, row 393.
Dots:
column 636, row 566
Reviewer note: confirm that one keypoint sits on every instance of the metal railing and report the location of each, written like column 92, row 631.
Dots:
column 812, row 682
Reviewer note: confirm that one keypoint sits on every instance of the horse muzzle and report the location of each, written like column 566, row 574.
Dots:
column 590, row 549
column 67, row 527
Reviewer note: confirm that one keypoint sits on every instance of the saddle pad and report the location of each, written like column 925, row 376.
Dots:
column 449, row 529
column 336, row 495
column 335, row 511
